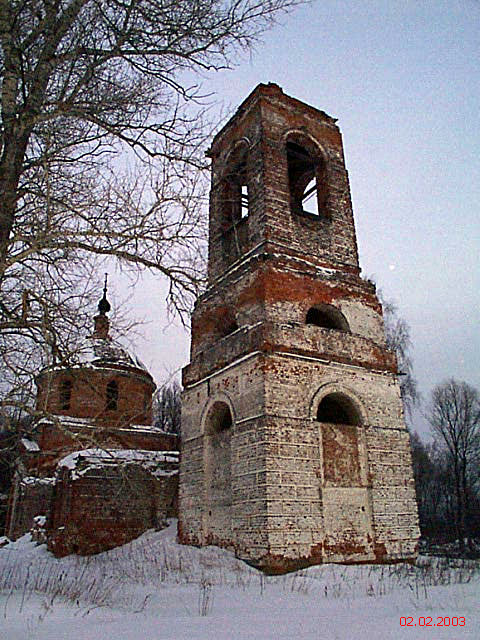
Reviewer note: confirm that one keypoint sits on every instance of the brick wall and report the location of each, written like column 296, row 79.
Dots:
column 88, row 397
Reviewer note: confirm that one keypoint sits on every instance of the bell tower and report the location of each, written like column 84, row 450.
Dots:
column 294, row 447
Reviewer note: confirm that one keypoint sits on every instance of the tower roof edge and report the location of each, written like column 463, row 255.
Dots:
column 262, row 90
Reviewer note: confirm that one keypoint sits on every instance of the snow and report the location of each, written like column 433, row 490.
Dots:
column 146, row 428
column 65, row 420
column 79, row 462
column 34, row 480
column 98, row 351
column 70, row 421
column 101, row 353
column 30, row 445
column 155, row 589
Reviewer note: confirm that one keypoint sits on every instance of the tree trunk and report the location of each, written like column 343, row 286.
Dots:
column 10, row 172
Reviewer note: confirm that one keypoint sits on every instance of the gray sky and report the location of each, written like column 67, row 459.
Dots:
column 403, row 79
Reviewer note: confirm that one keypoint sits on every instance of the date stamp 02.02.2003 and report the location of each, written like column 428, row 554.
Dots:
column 428, row 621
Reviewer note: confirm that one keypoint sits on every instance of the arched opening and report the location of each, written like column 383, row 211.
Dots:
column 226, row 322
column 147, row 402
column 219, row 418
column 112, row 396
column 337, row 408
column 235, row 189
column 218, row 476
column 228, row 328
column 307, row 180
column 328, row 317
column 66, row 394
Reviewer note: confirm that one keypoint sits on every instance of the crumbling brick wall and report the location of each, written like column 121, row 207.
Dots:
column 106, row 506
column 29, row 497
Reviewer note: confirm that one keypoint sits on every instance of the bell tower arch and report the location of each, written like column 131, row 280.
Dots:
column 285, row 315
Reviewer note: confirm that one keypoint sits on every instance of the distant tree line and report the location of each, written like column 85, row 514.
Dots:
column 447, row 474
column 446, row 470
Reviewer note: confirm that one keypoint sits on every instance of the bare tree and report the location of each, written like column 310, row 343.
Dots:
column 454, row 416
column 102, row 137
column 82, row 80
column 167, row 408
column 397, row 335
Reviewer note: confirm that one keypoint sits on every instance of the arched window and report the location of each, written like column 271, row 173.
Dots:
column 235, row 189
column 147, row 401
column 337, row 408
column 219, row 418
column 112, row 396
column 307, row 180
column 328, row 317
column 65, row 394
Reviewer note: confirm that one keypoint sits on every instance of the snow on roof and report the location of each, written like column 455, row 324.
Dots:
column 89, row 422
column 148, row 427
column 30, row 445
column 101, row 351
column 66, row 420
column 29, row 480
column 80, row 462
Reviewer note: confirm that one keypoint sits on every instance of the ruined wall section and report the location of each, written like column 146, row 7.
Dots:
column 107, row 506
column 239, row 300
column 231, row 240
column 241, row 386
column 293, row 287
column 395, row 516
column 336, row 493
column 264, row 306
column 295, row 518
column 321, row 237
column 29, row 497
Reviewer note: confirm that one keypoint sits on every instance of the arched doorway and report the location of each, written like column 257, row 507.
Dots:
column 218, row 472
column 346, row 510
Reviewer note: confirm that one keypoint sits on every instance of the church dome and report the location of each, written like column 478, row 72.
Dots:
column 105, row 352
column 102, row 380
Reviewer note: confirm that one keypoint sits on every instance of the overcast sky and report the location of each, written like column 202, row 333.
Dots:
column 403, row 79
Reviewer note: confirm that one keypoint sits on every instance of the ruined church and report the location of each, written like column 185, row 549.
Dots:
column 294, row 446
column 294, row 449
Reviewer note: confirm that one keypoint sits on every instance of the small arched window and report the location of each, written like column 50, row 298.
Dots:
column 327, row 317
column 66, row 394
column 307, row 180
column 112, row 396
column 337, row 408
column 147, row 402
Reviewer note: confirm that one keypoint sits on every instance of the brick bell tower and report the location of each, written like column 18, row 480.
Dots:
column 294, row 447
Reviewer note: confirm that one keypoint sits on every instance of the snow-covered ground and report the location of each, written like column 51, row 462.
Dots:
column 155, row 589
